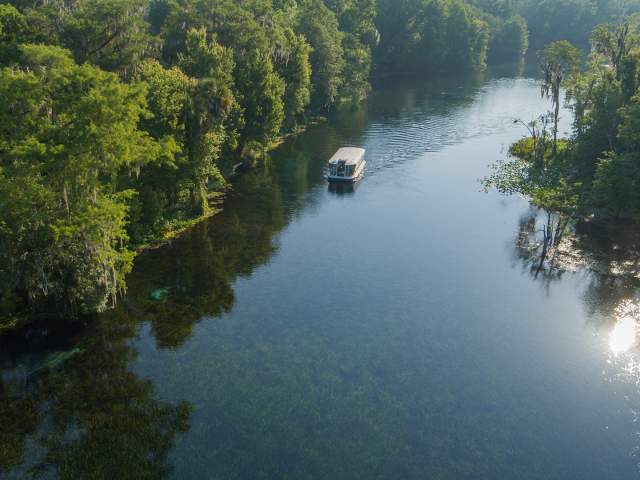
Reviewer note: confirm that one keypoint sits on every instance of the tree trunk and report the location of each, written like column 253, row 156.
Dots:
column 547, row 231
column 556, row 115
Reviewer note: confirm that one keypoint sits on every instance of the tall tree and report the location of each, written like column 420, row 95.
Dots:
column 320, row 26
column 559, row 62
column 211, row 101
column 66, row 133
column 615, row 42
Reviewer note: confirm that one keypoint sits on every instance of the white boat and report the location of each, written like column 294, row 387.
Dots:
column 347, row 165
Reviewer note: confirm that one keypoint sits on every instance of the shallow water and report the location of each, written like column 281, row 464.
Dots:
column 393, row 330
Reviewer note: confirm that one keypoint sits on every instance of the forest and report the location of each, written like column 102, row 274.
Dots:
column 122, row 122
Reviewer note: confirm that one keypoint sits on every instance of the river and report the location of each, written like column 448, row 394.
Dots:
column 396, row 330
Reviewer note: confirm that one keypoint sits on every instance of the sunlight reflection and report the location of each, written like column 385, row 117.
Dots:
column 623, row 337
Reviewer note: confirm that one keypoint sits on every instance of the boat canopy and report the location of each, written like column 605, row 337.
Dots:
column 349, row 155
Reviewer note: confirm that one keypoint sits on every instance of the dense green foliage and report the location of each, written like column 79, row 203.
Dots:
column 69, row 132
column 510, row 39
column 571, row 20
column 552, row 20
column 123, row 120
column 595, row 173
column 427, row 35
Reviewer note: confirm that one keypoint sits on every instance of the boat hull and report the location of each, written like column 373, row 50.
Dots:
column 358, row 175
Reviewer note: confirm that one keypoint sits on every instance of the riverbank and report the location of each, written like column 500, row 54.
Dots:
column 29, row 325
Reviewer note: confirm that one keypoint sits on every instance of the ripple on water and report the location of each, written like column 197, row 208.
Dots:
column 438, row 121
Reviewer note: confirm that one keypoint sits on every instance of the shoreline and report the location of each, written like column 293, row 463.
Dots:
column 28, row 326
column 217, row 200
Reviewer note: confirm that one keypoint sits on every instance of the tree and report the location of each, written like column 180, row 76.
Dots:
column 66, row 133
column 397, row 23
column 12, row 24
column 467, row 37
column 112, row 34
column 554, row 20
column 595, row 172
column 559, row 62
column 158, row 186
column 421, row 36
column 617, row 174
column 320, row 26
column 510, row 40
column 13, row 28
column 614, row 42
column 296, row 73
column 262, row 99
column 211, row 102
column 356, row 20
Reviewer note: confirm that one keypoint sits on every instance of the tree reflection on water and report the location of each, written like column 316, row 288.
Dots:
column 606, row 256
column 59, row 418
column 81, row 412
column 196, row 273
column 548, row 247
column 537, row 244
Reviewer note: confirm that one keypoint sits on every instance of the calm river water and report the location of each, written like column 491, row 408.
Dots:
column 392, row 331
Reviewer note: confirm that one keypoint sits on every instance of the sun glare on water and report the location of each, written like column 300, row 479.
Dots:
column 623, row 337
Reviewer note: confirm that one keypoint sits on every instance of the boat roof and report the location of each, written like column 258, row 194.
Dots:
column 350, row 155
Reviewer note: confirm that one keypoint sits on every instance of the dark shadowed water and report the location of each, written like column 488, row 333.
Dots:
column 391, row 331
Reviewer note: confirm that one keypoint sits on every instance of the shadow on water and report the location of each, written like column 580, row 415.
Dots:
column 191, row 280
column 343, row 189
column 82, row 413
